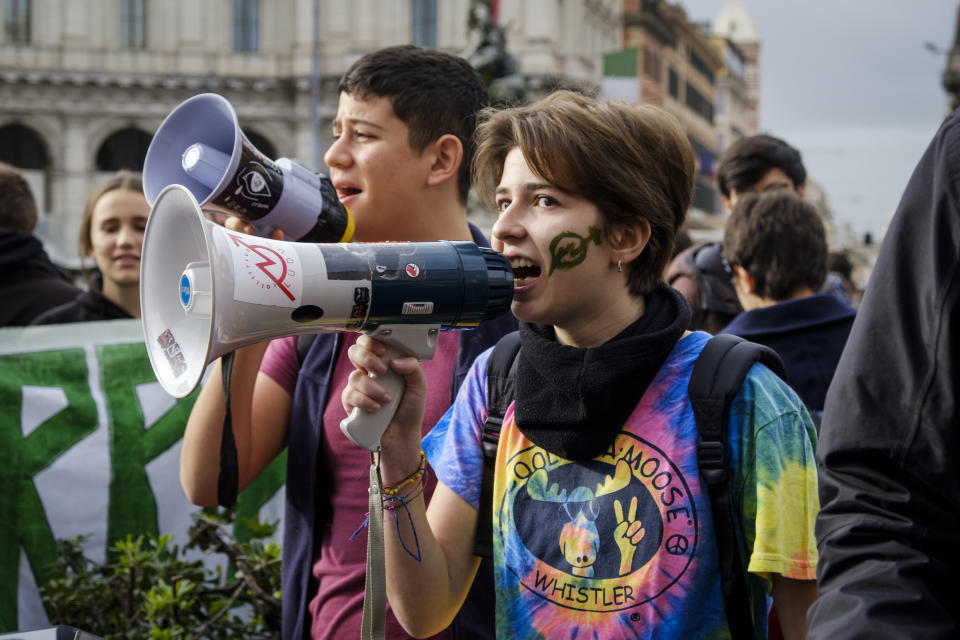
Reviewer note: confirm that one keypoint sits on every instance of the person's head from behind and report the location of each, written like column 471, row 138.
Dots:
column 18, row 209
column 590, row 196
column 839, row 263
column 777, row 247
column 111, row 231
column 404, row 128
column 839, row 279
column 756, row 163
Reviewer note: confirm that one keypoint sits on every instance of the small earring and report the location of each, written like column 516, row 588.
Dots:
column 620, row 266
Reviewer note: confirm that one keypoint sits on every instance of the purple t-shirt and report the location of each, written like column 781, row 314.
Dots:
column 339, row 567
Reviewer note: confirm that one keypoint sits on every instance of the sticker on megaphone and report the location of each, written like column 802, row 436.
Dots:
column 200, row 146
column 206, row 291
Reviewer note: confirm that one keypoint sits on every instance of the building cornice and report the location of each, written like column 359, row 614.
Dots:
column 193, row 83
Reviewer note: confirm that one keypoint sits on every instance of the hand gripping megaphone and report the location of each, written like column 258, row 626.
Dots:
column 200, row 145
column 206, row 291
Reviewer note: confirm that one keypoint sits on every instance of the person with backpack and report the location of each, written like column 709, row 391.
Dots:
column 603, row 520
column 701, row 275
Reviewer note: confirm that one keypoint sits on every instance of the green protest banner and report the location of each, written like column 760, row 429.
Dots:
column 89, row 445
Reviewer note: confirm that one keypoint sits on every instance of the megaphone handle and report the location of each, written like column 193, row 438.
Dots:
column 364, row 428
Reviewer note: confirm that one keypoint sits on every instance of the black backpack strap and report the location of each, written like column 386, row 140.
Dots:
column 304, row 342
column 501, row 373
column 717, row 377
column 228, row 478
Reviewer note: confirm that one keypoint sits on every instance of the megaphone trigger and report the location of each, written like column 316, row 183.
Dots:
column 364, row 428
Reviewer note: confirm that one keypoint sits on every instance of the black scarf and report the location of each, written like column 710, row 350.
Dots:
column 572, row 401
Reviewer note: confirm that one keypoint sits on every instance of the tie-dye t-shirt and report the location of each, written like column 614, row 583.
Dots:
column 622, row 546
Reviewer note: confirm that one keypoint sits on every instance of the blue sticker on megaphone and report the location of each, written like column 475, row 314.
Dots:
column 185, row 290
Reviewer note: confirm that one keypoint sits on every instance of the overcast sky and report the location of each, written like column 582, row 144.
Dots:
column 852, row 86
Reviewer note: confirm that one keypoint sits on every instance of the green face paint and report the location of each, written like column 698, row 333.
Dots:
column 568, row 249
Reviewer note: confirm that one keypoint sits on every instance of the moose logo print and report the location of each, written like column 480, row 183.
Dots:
column 601, row 536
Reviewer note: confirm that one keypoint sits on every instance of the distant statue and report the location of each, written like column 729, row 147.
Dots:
column 486, row 51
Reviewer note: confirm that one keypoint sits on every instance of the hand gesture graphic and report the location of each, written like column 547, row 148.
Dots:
column 627, row 534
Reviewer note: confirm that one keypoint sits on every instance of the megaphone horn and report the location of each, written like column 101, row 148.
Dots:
column 200, row 145
column 206, row 291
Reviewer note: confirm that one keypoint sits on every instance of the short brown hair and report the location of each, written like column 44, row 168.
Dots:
column 122, row 179
column 748, row 160
column 434, row 93
column 778, row 238
column 633, row 162
column 18, row 209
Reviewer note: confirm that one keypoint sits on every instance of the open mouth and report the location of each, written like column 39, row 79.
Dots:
column 346, row 192
column 524, row 271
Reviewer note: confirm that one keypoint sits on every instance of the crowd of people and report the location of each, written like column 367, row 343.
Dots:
column 840, row 471
column 111, row 233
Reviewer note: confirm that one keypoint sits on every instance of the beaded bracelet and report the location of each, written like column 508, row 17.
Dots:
column 392, row 503
column 412, row 479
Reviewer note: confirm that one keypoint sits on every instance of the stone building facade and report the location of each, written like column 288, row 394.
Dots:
column 85, row 83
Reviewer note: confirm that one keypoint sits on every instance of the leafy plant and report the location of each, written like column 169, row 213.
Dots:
column 147, row 590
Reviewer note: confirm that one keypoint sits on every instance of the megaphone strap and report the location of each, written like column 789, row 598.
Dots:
column 227, row 480
column 373, row 623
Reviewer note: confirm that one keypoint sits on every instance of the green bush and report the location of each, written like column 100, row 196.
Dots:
column 147, row 590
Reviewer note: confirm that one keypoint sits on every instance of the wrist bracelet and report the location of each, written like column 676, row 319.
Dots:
column 413, row 478
column 392, row 503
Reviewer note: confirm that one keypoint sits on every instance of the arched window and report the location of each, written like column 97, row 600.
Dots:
column 22, row 147
column 124, row 149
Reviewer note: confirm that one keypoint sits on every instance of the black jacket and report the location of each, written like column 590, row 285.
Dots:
column 807, row 333
column 889, row 526
column 87, row 307
column 29, row 283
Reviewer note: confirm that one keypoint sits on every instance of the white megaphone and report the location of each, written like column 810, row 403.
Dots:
column 200, row 145
column 206, row 291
